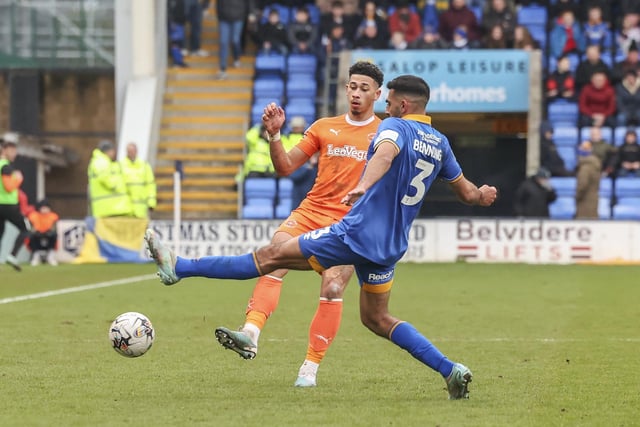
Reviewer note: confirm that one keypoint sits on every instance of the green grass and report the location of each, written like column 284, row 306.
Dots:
column 548, row 345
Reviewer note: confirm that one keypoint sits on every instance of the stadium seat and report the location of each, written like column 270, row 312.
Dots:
column 302, row 64
column 270, row 64
column 574, row 61
column 260, row 211
column 563, row 208
column 299, row 87
column 627, row 210
column 564, row 186
column 561, row 111
column 569, row 155
column 539, row 34
column 618, row 135
column 604, row 207
column 259, row 188
column 565, row 135
column 606, row 187
column 627, row 187
column 301, row 107
column 285, row 188
column 269, row 87
column 283, row 208
column 532, row 15
column 607, row 133
column 314, row 13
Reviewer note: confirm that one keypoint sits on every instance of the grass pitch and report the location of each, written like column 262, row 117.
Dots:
column 548, row 346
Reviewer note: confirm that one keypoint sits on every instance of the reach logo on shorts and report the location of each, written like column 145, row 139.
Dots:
column 379, row 278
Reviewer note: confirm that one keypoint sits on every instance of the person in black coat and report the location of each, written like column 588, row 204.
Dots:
column 534, row 195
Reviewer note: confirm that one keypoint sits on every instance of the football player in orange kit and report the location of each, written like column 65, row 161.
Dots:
column 342, row 142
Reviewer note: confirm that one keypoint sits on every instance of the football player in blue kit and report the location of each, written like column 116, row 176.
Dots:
column 405, row 157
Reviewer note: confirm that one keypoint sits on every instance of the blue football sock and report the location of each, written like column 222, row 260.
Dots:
column 218, row 267
column 407, row 337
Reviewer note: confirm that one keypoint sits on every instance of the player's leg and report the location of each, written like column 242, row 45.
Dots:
column 326, row 322
column 15, row 217
column 374, row 314
column 263, row 302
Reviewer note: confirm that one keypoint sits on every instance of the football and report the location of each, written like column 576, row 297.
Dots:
column 131, row 334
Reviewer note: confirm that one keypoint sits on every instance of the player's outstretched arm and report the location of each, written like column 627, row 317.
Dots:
column 377, row 166
column 283, row 162
column 470, row 194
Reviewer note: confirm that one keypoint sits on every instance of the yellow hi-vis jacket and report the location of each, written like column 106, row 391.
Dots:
column 141, row 185
column 258, row 158
column 107, row 189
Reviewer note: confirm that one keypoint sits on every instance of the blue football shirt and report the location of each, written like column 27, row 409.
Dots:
column 377, row 227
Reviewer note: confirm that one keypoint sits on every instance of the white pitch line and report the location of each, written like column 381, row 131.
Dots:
column 78, row 289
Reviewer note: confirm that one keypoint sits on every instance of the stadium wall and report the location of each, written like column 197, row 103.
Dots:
column 432, row 240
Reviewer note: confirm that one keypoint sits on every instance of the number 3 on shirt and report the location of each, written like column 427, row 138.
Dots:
column 426, row 169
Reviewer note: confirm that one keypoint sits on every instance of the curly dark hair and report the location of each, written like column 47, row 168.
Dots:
column 369, row 69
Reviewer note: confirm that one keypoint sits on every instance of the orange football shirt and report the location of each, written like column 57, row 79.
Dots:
column 343, row 145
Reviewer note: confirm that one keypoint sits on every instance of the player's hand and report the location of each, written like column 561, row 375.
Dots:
column 273, row 118
column 352, row 196
column 488, row 195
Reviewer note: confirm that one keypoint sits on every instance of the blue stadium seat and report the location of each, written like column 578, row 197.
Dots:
column 299, row 87
column 539, row 34
column 574, row 61
column 607, row 133
column 564, row 186
column 285, row 188
column 269, row 87
column 627, row 188
column 627, row 210
column 562, row 111
column 563, row 208
column 261, row 211
column 618, row 135
column 270, row 64
column 606, row 188
column 532, row 15
column 569, row 155
column 301, row 107
column 259, row 188
column 283, row 208
column 565, row 135
column 302, row 64
column 604, row 208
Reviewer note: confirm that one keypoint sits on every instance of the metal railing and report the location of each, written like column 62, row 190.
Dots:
column 57, row 33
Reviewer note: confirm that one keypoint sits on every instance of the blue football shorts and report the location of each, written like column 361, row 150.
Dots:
column 324, row 248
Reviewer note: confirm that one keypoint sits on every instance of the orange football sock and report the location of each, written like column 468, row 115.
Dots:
column 324, row 328
column 264, row 300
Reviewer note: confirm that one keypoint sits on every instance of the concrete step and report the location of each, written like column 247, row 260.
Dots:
column 198, row 171
column 172, row 133
column 224, row 85
column 199, row 96
column 202, row 145
column 198, row 182
column 206, row 72
column 199, row 109
column 201, row 157
column 201, row 196
column 203, row 120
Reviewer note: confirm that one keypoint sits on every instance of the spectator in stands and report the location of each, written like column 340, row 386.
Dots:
column 587, row 182
column 628, row 100
column 604, row 151
column 630, row 63
column 193, row 11
column 458, row 15
column 522, row 39
column 430, row 14
column 550, row 159
column 461, row 40
column 596, row 31
column 373, row 31
column 406, row 21
column 141, row 183
column 628, row 156
column 592, row 64
column 43, row 236
column 561, row 83
column 398, row 42
column 232, row 15
column 606, row 8
column 597, row 102
column 177, row 22
column 272, row 35
column 533, row 195
column 257, row 161
column 302, row 34
column 629, row 32
column 430, row 39
column 337, row 16
column 495, row 39
column 107, row 187
column 500, row 12
column 566, row 36
column 336, row 41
